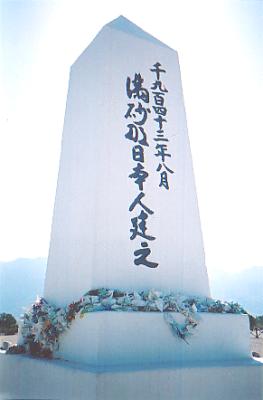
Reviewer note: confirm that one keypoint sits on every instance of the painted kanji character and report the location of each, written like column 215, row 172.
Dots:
column 138, row 201
column 160, row 120
column 165, row 166
column 158, row 70
column 158, row 85
column 143, row 112
column 142, row 255
column 133, row 134
column 138, row 153
column 139, row 227
column 164, row 180
column 139, row 175
column 138, row 90
column 160, row 110
column 158, row 98
column 162, row 148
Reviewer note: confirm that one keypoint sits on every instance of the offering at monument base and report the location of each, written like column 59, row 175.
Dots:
column 47, row 328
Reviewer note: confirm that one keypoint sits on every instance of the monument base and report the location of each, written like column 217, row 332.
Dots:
column 106, row 339
column 23, row 377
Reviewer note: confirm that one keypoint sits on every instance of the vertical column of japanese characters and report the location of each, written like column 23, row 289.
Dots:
column 137, row 114
column 159, row 92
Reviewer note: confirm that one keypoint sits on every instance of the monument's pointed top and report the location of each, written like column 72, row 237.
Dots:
column 123, row 24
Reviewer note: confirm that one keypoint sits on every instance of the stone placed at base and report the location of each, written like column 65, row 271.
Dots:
column 23, row 377
column 106, row 339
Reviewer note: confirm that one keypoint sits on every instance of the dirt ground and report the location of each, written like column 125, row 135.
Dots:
column 255, row 344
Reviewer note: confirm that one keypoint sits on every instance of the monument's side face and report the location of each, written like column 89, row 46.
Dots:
column 126, row 213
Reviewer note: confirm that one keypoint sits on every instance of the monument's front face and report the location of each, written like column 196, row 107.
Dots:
column 126, row 213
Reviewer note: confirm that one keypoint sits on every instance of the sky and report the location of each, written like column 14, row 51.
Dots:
column 220, row 46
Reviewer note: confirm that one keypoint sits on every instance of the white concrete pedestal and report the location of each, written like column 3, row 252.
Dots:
column 127, row 339
column 136, row 357
column 24, row 377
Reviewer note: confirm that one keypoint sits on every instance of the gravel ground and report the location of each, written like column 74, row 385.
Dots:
column 257, row 345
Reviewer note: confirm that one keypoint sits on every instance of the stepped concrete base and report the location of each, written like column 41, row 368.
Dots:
column 23, row 377
column 135, row 356
column 110, row 338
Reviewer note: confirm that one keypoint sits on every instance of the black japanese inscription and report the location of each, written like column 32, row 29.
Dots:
column 159, row 92
column 138, row 91
column 142, row 255
column 137, row 115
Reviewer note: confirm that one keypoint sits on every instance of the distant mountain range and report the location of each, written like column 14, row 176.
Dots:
column 244, row 287
column 20, row 283
column 23, row 279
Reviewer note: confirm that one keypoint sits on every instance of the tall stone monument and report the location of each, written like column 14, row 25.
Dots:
column 126, row 218
column 126, row 214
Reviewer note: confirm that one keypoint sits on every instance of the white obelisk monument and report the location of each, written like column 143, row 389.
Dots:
column 126, row 213
column 126, row 218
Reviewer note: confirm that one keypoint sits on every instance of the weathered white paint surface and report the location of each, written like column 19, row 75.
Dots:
column 90, row 241
column 28, row 378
